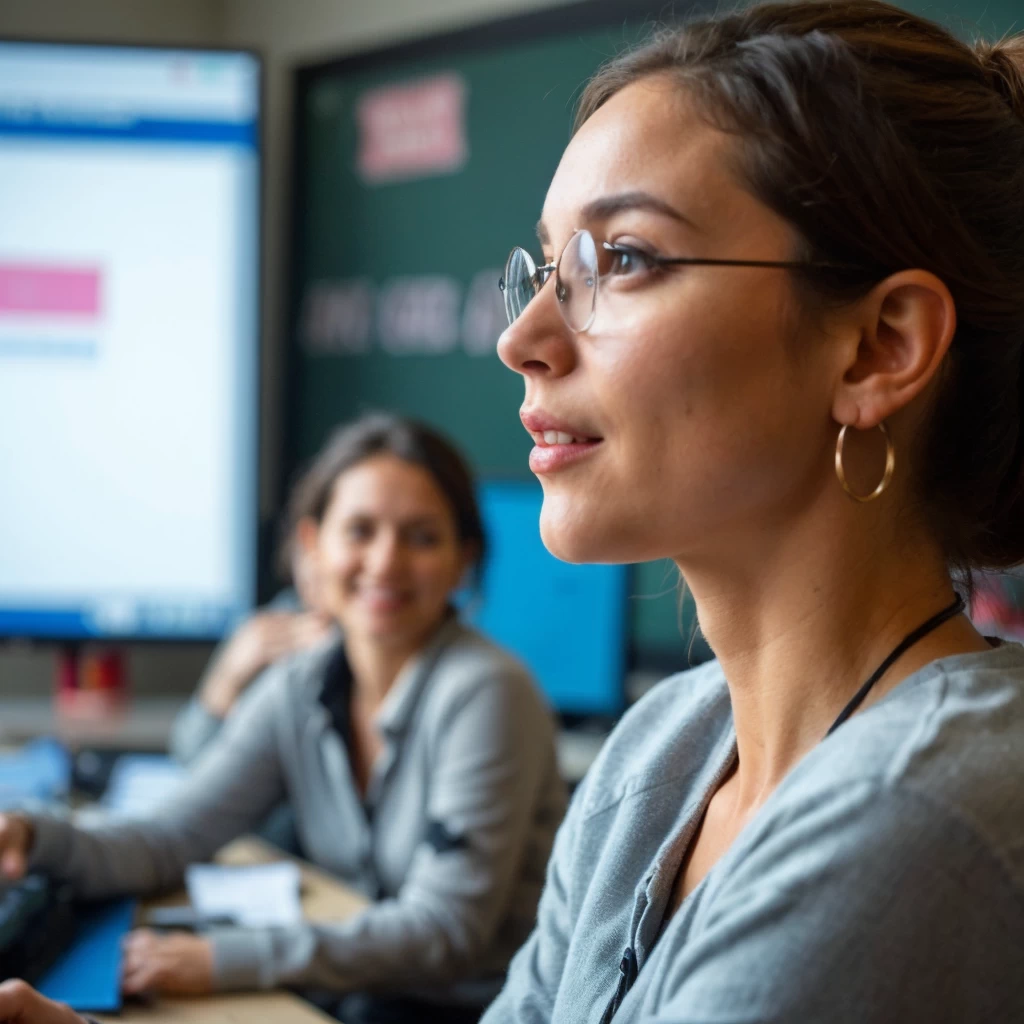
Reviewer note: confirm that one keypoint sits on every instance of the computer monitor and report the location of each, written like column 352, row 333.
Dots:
column 129, row 291
column 567, row 622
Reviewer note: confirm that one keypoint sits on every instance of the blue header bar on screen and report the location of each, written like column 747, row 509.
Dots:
column 188, row 620
column 97, row 92
column 141, row 129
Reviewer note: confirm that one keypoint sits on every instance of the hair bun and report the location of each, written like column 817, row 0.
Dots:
column 1004, row 64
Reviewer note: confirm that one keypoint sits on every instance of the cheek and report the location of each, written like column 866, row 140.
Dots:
column 707, row 415
column 339, row 564
column 436, row 574
column 706, row 377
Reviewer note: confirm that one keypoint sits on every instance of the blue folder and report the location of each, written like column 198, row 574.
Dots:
column 88, row 976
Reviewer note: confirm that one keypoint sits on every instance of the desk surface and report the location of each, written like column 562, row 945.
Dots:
column 242, row 1008
column 323, row 898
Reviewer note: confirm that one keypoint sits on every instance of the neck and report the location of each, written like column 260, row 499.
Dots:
column 798, row 635
column 376, row 665
column 375, row 668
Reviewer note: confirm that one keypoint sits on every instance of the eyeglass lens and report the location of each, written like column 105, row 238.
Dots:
column 576, row 281
column 519, row 284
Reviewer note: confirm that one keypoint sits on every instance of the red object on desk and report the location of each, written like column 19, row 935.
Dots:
column 91, row 684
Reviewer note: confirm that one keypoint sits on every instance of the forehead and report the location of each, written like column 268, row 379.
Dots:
column 386, row 484
column 647, row 137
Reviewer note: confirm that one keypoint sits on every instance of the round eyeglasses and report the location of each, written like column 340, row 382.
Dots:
column 583, row 265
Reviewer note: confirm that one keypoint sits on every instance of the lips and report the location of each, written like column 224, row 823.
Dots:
column 559, row 443
column 382, row 599
column 548, row 431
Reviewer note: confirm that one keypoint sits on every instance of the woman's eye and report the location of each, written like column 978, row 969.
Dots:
column 627, row 261
column 423, row 539
column 358, row 531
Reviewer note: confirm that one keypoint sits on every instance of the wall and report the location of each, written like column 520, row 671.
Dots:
column 152, row 21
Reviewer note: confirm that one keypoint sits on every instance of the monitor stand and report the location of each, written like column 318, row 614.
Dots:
column 91, row 683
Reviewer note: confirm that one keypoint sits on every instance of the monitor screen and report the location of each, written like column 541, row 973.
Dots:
column 129, row 234
column 567, row 622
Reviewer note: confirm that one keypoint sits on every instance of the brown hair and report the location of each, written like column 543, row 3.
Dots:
column 887, row 144
column 406, row 439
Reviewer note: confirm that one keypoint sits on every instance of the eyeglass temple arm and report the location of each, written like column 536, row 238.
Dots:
column 780, row 264
column 698, row 262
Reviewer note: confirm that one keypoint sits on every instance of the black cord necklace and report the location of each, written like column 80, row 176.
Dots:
column 907, row 642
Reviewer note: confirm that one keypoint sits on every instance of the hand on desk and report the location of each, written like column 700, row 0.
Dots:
column 175, row 964
column 178, row 963
column 22, row 1004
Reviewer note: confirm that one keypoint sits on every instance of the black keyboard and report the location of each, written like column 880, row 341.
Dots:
column 37, row 923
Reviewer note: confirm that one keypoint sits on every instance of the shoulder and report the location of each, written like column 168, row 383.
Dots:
column 928, row 774
column 949, row 737
column 286, row 600
column 470, row 667
column 296, row 678
column 674, row 731
column 864, row 865
column 973, row 701
column 480, row 704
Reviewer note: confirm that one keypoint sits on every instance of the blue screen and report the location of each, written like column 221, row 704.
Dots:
column 567, row 622
column 129, row 238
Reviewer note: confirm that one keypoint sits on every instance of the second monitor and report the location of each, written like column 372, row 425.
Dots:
column 567, row 622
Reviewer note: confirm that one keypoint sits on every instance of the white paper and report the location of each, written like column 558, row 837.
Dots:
column 257, row 895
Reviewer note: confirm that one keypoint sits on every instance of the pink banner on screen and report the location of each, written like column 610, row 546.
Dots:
column 38, row 289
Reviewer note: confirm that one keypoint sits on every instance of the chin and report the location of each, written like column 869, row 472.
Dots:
column 387, row 634
column 572, row 532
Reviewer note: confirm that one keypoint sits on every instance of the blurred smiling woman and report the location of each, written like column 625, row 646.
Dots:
column 777, row 336
column 418, row 758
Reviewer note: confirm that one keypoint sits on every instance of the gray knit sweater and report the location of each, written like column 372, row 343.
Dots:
column 883, row 880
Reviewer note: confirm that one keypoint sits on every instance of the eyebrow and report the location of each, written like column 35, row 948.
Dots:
column 608, row 206
column 424, row 519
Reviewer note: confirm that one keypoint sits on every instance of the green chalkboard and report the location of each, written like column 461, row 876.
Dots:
column 417, row 169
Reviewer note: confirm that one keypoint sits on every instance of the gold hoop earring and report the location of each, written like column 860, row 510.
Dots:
column 890, row 465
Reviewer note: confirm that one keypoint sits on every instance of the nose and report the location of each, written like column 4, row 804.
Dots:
column 385, row 555
column 539, row 343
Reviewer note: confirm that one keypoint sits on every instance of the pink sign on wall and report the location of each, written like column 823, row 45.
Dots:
column 407, row 131
column 25, row 288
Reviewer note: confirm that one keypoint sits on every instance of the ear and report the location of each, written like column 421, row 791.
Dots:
column 905, row 327
column 307, row 534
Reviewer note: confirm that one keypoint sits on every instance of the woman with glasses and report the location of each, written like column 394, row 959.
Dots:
column 776, row 335
column 418, row 758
